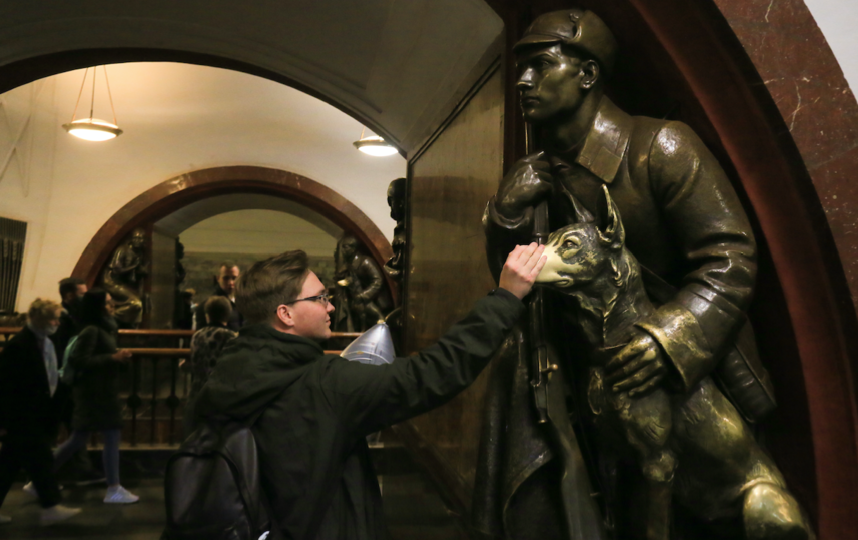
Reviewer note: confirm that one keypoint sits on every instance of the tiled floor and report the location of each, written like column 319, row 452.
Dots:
column 141, row 521
column 414, row 512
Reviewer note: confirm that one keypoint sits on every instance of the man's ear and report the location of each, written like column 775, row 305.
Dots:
column 284, row 316
column 590, row 73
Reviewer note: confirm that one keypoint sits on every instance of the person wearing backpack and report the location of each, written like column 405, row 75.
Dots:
column 311, row 412
column 96, row 363
column 28, row 384
column 78, row 469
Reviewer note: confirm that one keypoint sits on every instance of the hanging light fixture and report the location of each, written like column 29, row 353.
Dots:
column 93, row 129
column 374, row 145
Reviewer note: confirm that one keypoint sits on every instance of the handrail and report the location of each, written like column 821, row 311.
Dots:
column 143, row 351
column 156, row 332
column 149, row 351
column 167, row 332
column 152, row 388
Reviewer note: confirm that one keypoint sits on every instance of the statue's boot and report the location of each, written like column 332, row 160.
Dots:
column 652, row 512
column 771, row 513
column 658, row 517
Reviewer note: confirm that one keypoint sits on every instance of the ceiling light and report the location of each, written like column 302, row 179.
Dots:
column 374, row 145
column 93, row 129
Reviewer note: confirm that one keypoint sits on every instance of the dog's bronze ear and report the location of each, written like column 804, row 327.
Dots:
column 611, row 230
column 582, row 215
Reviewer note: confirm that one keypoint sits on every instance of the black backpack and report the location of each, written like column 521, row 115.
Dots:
column 212, row 486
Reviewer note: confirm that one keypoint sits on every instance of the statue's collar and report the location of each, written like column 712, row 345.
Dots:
column 606, row 142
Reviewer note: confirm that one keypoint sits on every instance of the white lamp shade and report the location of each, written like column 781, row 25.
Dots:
column 375, row 146
column 92, row 129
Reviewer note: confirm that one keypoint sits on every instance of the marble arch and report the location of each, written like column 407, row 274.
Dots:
column 175, row 193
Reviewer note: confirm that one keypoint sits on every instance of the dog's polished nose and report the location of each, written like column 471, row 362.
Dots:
column 550, row 272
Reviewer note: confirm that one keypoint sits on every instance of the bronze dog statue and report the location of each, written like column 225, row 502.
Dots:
column 693, row 449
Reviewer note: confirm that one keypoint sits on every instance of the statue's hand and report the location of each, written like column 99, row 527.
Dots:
column 526, row 184
column 638, row 367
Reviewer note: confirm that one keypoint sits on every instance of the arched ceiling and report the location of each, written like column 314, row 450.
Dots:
column 257, row 231
column 399, row 65
column 185, row 218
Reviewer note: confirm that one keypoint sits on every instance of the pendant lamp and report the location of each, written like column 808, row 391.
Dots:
column 374, row 145
column 93, row 129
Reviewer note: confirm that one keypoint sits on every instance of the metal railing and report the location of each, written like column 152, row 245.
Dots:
column 154, row 389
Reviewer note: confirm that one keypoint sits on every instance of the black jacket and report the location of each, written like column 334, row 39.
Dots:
column 26, row 405
column 314, row 459
column 96, row 381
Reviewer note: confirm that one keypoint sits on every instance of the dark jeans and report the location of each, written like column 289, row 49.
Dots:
column 110, row 454
column 79, row 464
column 32, row 452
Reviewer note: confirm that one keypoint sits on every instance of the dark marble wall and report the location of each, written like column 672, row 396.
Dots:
column 448, row 272
column 819, row 111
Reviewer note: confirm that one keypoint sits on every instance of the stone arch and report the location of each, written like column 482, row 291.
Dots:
column 177, row 192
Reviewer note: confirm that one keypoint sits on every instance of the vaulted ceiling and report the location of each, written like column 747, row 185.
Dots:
column 400, row 65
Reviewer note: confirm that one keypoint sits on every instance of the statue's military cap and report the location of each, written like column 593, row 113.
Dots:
column 577, row 28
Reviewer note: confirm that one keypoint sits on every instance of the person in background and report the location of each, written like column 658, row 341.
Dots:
column 97, row 363
column 206, row 346
column 72, row 290
column 226, row 280
column 28, row 382
column 185, row 309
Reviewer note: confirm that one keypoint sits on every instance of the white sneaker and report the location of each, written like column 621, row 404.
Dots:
column 120, row 495
column 4, row 519
column 30, row 490
column 56, row 514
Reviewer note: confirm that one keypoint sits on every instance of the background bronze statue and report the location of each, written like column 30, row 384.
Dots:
column 395, row 266
column 396, row 200
column 359, row 297
column 123, row 278
column 692, row 237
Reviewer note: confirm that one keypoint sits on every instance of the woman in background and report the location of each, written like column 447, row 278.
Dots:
column 97, row 363
column 28, row 382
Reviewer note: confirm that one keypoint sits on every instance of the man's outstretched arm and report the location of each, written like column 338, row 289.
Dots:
column 372, row 397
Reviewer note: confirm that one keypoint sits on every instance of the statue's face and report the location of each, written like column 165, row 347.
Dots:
column 349, row 247
column 550, row 84
column 138, row 239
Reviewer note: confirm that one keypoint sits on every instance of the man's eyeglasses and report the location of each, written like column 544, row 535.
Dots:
column 323, row 299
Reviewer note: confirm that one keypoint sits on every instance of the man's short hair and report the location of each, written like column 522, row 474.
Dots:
column 218, row 309
column 41, row 310
column 228, row 265
column 269, row 284
column 69, row 285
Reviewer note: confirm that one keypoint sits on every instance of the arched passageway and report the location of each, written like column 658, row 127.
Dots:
column 176, row 193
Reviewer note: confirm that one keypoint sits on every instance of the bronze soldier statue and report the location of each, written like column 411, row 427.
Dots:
column 687, row 228
column 360, row 285
column 124, row 276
